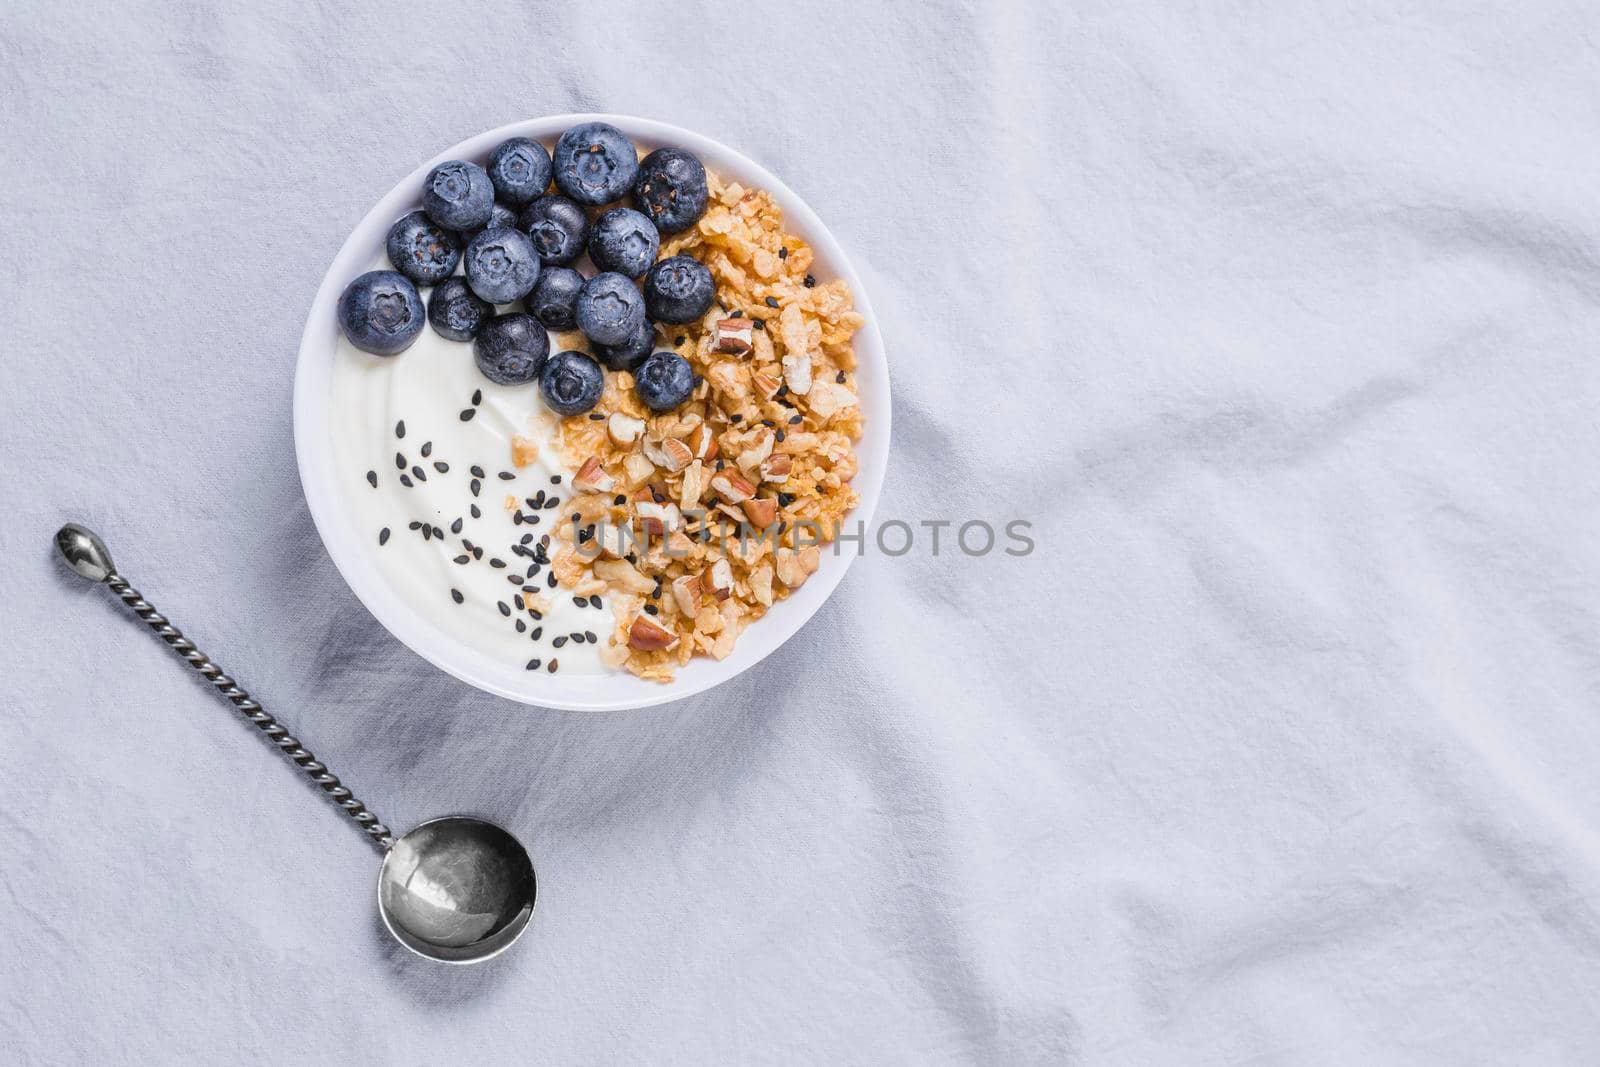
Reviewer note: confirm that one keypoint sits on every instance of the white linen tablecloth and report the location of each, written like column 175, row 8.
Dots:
column 1279, row 321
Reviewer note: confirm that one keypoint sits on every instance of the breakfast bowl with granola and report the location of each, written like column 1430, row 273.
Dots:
column 582, row 408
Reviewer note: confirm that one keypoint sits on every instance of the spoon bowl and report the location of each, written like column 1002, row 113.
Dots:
column 456, row 890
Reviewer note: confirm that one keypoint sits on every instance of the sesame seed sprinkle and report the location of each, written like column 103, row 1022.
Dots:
column 383, row 536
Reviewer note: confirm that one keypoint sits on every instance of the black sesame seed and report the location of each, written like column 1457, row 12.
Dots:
column 533, row 664
column 785, row 499
column 506, row 476
column 400, row 428
column 405, row 480
column 678, row 340
column 455, row 527
column 467, row 413
column 526, row 538
column 477, row 397
column 538, row 631
column 383, row 536
column 544, row 542
column 372, row 479
column 441, row 466
column 519, row 602
column 593, row 640
column 558, row 642
column 619, row 500
column 783, row 253
column 455, row 594
column 475, row 486
column 577, row 637
column 811, row 281
column 553, row 665
column 413, row 525
column 651, row 609
column 555, row 479
column 477, row 471
column 462, row 559
column 505, row 609
column 839, row 377
column 427, row 449
column 475, row 512
column 438, row 533
column 735, row 418
column 497, row 563
column 581, row 601
column 595, row 416
column 419, row 474
column 769, row 422
column 477, row 553
column 760, row 324
column 512, row 579
column 551, row 580
column 400, row 461
column 516, row 519
column 772, row 301
column 779, row 435
column 522, row 627
column 594, row 601
column 553, row 502
column 427, row 533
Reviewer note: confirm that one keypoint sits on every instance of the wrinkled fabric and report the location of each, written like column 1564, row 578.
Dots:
column 1278, row 322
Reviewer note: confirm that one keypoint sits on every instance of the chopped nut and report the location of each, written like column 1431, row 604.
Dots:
column 686, row 594
column 721, row 579
column 761, row 584
column 638, row 467
column 732, row 487
column 732, row 336
column 752, row 457
column 797, row 372
column 669, row 453
column 794, row 567
column 776, row 469
column 592, row 477
column 656, row 519
column 694, row 486
column 509, row 503
column 827, row 398
column 761, row 511
column 523, row 451
column 647, row 635
column 766, row 385
column 624, row 429
column 702, row 443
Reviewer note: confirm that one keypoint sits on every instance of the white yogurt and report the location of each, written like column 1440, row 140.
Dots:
column 427, row 387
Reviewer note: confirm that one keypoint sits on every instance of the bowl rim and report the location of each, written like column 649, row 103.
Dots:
column 614, row 691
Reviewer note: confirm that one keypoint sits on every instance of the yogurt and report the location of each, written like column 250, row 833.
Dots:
column 405, row 418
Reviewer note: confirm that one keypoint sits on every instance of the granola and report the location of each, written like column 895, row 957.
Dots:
column 735, row 488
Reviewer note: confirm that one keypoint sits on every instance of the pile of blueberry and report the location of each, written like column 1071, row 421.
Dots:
column 517, row 240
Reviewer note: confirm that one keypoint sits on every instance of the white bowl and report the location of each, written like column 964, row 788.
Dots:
column 351, row 550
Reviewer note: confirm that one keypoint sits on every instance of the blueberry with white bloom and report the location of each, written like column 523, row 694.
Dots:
column 663, row 381
column 558, row 228
column 610, row 309
column 678, row 289
column 455, row 312
column 520, row 170
column 630, row 353
column 511, row 349
column 502, row 265
column 571, row 383
column 380, row 312
column 624, row 241
column 554, row 298
column 422, row 250
column 458, row 195
column 671, row 189
column 595, row 163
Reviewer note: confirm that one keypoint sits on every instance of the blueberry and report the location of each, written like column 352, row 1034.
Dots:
column 456, row 312
column 423, row 252
column 520, row 170
column 571, row 383
column 558, row 228
column 671, row 189
column 595, row 164
column 502, row 265
column 458, row 195
column 663, row 381
column 610, row 309
column 630, row 353
column 511, row 349
column 554, row 299
column 678, row 289
column 501, row 215
column 380, row 312
column 624, row 241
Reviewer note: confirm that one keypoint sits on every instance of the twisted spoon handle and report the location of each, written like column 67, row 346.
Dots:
column 87, row 555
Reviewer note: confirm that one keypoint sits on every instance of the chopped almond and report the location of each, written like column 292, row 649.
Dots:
column 647, row 635
column 686, row 594
column 761, row 511
column 624, row 430
column 702, row 443
column 732, row 336
column 624, row 574
column 776, row 469
column 669, row 454
column 721, row 579
column 732, row 486
column 592, row 477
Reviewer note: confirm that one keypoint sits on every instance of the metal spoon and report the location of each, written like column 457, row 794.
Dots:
column 456, row 889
